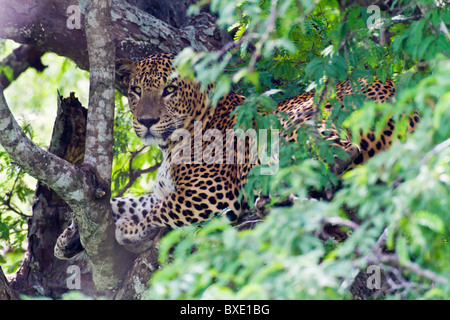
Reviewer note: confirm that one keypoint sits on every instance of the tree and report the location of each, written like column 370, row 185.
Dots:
column 384, row 212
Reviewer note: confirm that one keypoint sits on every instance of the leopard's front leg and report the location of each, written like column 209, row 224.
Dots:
column 182, row 207
column 132, row 211
column 68, row 244
column 136, row 208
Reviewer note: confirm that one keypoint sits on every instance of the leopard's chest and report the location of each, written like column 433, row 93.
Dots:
column 164, row 183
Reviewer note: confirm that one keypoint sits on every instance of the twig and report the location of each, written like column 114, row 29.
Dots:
column 247, row 222
column 377, row 248
column 390, row 263
column 20, row 60
column 412, row 267
column 12, row 208
column 341, row 221
column 133, row 175
column 269, row 28
column 315, row 110
column 235, row 44
column 397, row 282
column 310, row 114
column 7, row 202
column 438, row 148
column 393, row 259
column 301, row 117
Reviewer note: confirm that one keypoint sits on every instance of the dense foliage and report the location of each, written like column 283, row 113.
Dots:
column 398, row 201
column 394, row 209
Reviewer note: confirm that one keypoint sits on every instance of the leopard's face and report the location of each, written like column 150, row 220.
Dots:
column 159, row 102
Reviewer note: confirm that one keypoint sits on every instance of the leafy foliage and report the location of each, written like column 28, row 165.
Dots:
column 398, row 201
column 14, row 195
column 279, row 259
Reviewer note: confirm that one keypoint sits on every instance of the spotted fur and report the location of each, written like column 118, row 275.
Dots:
column 301, row 108
column 187, row 193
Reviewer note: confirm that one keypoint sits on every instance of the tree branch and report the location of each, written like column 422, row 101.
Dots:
column 438, row 148
column 393, row 259
column 20, row 60
column 81, row 187
column 133, row 175
column 54, row 172
column 269, row 28
column 137, row 34
column 99, row 137
column 342, row 222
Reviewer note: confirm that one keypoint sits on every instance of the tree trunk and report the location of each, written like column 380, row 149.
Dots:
column 5, row 291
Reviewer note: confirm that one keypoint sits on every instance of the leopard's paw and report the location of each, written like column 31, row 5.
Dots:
column 68, row 244
column 135, row 236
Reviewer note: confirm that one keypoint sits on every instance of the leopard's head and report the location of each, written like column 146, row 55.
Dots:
column 159, row 101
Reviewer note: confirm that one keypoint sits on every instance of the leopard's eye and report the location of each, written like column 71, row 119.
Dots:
column 136, row 90
column 169, row 90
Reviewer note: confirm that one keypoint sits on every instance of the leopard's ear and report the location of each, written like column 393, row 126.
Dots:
column 125, row 69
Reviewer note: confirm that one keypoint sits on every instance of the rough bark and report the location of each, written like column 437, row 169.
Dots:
column 5, row 291
column 173, row 12
column 41, row 164
column 137, row 279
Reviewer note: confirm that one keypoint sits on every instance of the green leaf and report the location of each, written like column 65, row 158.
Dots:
column 401, row 248
column 8, row 72
column 430, row 221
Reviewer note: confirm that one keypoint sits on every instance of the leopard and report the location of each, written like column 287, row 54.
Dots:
column 194, row 182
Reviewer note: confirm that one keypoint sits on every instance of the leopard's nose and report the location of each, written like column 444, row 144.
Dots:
column 148, row 122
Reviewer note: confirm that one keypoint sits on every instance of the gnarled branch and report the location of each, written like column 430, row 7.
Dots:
column 43, row 24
